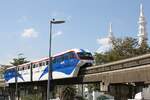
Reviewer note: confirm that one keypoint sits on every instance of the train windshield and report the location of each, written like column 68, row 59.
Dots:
column 85, row 55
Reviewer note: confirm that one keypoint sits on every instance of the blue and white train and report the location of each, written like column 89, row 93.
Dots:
column 64, row 65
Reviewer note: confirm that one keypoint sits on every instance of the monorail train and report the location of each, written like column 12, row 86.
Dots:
column 64, row 65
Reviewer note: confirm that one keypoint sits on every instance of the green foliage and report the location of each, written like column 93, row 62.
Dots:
column 143, row 49
column 68, row 93
column 19, row 60
column 93, row 87
column 122, row 49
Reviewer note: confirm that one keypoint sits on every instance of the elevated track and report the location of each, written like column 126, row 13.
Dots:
column 136, row 69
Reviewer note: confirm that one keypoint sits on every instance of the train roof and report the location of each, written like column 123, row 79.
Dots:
column 11, row 67
column 42, row 59
column 74, row 50
column 58, row 54
column 25, row 64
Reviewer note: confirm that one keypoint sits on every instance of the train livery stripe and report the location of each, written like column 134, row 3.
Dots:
column 12, row 74
column 68, row 69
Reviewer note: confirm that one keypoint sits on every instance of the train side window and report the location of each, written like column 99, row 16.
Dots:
column 23, row 68
column 66, row 56
column 40, row 64
column 43, row 63
column 62, row 58
column 47, row 62
column 71, row 55
column 57, row 59
column 28, row 66
column 33, row 65
column 54, row 60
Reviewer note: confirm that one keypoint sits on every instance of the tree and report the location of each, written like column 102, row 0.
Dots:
column 68, row 93
column 122, row 49
column 143, row 49
column 19, row 60
column 93, row 87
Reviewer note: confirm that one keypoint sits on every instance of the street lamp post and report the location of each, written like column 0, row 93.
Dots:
column 16, row 76
column 50, row 58
column 16, row 81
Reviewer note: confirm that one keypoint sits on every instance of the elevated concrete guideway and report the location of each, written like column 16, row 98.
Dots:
column 136, row 69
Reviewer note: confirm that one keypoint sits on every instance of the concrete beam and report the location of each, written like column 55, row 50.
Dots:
column 136, row 74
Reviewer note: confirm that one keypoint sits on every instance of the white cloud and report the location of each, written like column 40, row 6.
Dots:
column 29, row 33
column 105, row 45
column 103, row 41
column 103, row 48
column 57, row 34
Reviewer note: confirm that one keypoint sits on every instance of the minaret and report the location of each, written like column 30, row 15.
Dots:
column 110, row 33
column 106, row 43
column 142, row 34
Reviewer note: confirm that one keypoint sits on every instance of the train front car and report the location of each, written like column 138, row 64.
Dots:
column 86, row 58
column 68, row 63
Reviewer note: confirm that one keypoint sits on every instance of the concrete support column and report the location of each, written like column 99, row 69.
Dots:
column 104, row 86
column 12, row 94
column 44, row 93
column 119, row 91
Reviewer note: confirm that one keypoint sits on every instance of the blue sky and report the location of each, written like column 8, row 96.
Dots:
column 24, row 24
